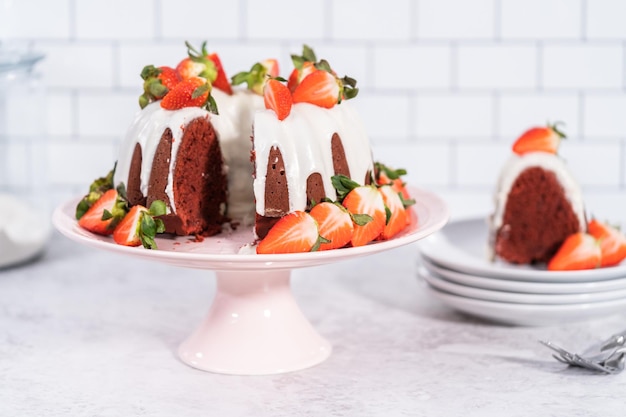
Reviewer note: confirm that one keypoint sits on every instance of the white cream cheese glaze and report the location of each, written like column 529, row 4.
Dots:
column 234, row 130
column 549, row 162
column 304, row 139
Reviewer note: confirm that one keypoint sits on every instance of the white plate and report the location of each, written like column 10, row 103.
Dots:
column 528, row 314
column 491, row 283
column 462, row 246
column 513, row 297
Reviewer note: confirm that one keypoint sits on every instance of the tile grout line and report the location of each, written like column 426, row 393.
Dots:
column 497, row 21
column 72, row 20
column 243, row 27
column 158, row 21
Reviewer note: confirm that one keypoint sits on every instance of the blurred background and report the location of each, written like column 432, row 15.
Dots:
column 446, row 85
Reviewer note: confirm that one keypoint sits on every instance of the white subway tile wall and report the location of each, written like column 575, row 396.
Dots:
column 446, row 85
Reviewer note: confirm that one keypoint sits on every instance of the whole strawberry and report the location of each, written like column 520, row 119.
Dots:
column 157, row 83
column 193, row 92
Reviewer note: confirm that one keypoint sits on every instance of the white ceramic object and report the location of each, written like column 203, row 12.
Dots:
column 491, row 283
column 530, row 314
column 254, row 325
column 462, row 246
column 513, row 297
column 24, row 231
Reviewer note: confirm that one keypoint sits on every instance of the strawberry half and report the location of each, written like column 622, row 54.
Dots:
column 140, row 227
column 320, row 88
column 277, row 97
column 96, row 190
column 193, row 92
column 366, row 200
column 387, row 176
column 221, row 80
column 335, row 224
column 539, row 139
column 579, row 251
column 296, row 232
column 612, row 242
column 197, row 64
column 397, row 216
column 298, row 74
column 258, row 75
column 104, row 215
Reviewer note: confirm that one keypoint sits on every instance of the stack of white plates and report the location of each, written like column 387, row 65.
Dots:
column 457, row 268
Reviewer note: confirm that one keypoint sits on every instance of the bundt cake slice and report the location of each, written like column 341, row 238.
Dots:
column 538, row 203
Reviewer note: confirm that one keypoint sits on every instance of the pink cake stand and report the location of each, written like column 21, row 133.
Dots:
column 254, row 325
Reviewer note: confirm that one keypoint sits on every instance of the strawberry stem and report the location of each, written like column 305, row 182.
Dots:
column 343, row 185
column 96, row 189
column 555, row 129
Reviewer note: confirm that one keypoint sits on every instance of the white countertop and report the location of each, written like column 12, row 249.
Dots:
column 84, row 332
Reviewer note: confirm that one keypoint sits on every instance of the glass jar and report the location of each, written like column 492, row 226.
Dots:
column 24, row 208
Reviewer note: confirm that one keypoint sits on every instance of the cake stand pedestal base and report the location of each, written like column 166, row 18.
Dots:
column 254, row 327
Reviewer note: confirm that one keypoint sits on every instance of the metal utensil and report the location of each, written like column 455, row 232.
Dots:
column 609, row 357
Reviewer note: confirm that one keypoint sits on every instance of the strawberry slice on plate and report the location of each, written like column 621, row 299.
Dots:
column 539, row 139
column 397, row 215
column 140, row 227
column 612, row 242
column 363, row 200
column 277, row 97
column 96, row 190
column 295, row 232
column 389, row 176
column 335, row 224
column 579, row 251
column 104, row 215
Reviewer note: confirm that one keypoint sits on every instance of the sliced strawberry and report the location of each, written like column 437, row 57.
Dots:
column 387, row 176
column 612, row 242
column 366, row 200
column 539, row 139
column 307, row 64
column 258, row 75
column 104, row 214
column 96, row 190
column 335, row 224
column 188, row 69
column 293, row 80
column 579, row 251
column 397, row 216
column 193, row 92
column 197, row 64
column 277, row 97
column 298, row 74
column 320, row 88
column 271, row 67
column 296, row 232
column 140, row 227
column 221, row 80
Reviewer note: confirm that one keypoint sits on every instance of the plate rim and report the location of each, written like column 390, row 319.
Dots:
column 428, row 204
column 454, row 258
column 493, row 283
column 514, row 297
column 528, row 314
